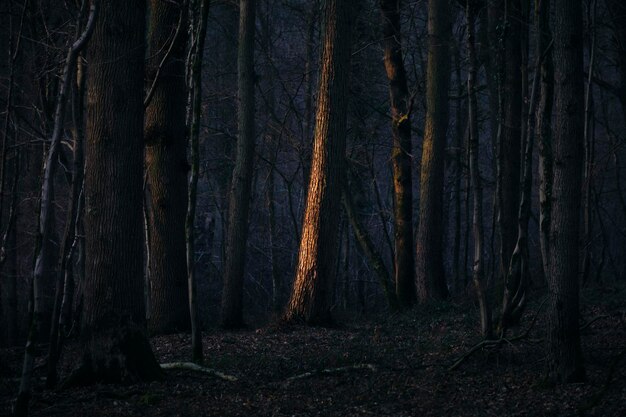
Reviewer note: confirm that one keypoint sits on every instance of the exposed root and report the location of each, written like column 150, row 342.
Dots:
column 190, row 366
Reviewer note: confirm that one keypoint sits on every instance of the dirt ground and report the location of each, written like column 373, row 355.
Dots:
column 388, row 365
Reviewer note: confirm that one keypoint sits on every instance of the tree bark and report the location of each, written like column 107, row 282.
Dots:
column 430, row 273
column 509, row 146
column 114, row 327
column 314, row 283
column 167, row 167
column 564, row 352
column 241, row 186
column 401, row 157
column 476, row 183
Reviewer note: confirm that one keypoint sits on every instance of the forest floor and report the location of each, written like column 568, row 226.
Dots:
column 392, row 365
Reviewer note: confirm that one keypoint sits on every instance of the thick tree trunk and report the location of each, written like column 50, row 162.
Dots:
column 114, row 335
column 314, row 283
column 401, row 157
column 431, row 280
column 564, row 352
column 239, row 198
column 166, row 167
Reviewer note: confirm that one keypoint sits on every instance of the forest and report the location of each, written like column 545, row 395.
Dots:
column 312, row 208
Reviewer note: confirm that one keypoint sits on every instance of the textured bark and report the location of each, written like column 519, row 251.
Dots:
column 166, row 168
column 543, row 131
column 476, row 184
column 240, row 189
column 400, row 155
column 314, row 283
column 431, row 279
column 564, row 352
column 116, row 345
column 509, row 146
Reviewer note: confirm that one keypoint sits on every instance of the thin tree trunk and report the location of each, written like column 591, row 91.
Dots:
column 46, row 212
column 314, row 283
column 368, row 248
column 543, row 130
column 241, row 186
column 477, row 216
column 401, row 156
column 199, row 14
column 430, row 273
column 564, row 358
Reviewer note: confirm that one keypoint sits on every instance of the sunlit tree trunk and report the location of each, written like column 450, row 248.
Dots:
column 431, row 279
column 401, row 157
column 314, row 283
column 564, row 352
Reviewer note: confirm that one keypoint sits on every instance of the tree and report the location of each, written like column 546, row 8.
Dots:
column 241, row 185
column 564, row 351
column 475, row 179
column 116, row 347
column 431, row 280
column 401, row 153
column 315, row 274
column 509, row 145
column 166, row 166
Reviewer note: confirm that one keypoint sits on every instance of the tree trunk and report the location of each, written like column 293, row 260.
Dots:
column 166, row 167
column 543, row 131
column 477, row 212
column 401, row 157
column 509, row 147
column 564, row 352
column 431, row 279
column 240, row 189
column 114, row 334
column 199, row 13
column 314, row 283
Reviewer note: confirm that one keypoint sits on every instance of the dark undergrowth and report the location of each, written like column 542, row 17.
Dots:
column 410, row 355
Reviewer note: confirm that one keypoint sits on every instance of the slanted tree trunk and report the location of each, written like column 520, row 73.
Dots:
column 116, row 347
column 401, row 157
column 44, row 250
column 166, row 166
column 314, row 283
column 240, row 189
column 564, row 352
column 431, row 279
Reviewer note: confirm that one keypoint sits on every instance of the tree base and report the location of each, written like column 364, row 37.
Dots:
column 121, row 354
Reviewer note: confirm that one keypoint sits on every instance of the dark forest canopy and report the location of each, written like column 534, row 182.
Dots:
column 174, row 167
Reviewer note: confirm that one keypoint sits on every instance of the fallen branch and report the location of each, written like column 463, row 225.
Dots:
column 593, row 320
column 331, row 371
column 190, row 366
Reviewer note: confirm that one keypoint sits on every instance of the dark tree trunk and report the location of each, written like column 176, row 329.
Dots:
column 166, row 167
column 509, row 146
column 564, row 351
column 116, row 345
column 314, row 283
column 240, row 189
column 401, row 154
column 431, row 280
